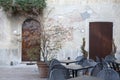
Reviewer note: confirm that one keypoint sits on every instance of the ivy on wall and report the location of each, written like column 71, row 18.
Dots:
column 23, row 7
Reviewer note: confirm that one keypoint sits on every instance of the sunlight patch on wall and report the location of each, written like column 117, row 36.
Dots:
column 5, row 30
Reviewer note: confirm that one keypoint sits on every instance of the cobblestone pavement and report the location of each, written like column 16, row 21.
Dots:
column 20, row 72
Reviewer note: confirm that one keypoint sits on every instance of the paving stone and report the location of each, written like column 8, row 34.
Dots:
column 20, row 72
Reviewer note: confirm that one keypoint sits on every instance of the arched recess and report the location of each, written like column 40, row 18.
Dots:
column 31, row 31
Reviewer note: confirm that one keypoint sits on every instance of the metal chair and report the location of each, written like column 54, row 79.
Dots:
column 88, row 62
column 63, row 69
column 110, row 57
column 53, row 62
column 97, row 59
column 56, row 74
column 108, row 74
column 98, row 67
column 114, row 65
column 80, row 60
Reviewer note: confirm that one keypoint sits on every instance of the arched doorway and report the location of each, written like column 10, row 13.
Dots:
column 31, row 31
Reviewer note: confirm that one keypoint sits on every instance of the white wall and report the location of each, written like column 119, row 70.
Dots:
column 10, row 47
column 74, row 15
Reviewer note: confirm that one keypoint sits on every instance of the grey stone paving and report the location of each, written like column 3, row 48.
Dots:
column 20, row 72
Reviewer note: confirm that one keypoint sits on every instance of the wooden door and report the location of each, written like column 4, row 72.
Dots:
column 100, row 39
column 30, row 40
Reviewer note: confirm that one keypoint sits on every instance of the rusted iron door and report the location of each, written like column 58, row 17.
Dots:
column 30, row 40
column 100, row 39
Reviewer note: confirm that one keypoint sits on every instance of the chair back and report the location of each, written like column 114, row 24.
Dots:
column 110, row 57
column 97, row 59
column 80, row 60
column 53, row 62
column 56, row 74
column 114, row 65
column 108, row 74
column 63, row 69
column 98, row 67
column 89, row 62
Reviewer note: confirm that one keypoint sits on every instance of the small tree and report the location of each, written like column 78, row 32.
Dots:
column 51, row 41
column 85, row 53
column 51, row 38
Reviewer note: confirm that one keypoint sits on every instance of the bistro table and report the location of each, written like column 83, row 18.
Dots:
column 75, row 68
column 85, row 77
column 67, row 62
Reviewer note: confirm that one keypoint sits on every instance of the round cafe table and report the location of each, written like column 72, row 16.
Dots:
column 75, row 68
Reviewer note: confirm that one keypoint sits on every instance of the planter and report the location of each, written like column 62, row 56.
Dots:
column 43, row 69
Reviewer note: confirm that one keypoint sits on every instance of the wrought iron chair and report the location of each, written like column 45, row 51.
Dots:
column 108, row 74
column 80, row 60
column 110, row 57
column 88, row 62
column 56, row 74
column 63, row 69
column 97, row 59
column 114, row 65
column 53, row 62
column 98, row 67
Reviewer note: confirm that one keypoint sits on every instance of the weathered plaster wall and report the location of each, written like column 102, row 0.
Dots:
column 10, row 47
column 72, row 15
column 76, row 15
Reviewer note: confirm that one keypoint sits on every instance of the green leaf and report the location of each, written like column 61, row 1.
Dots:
column 23, row 5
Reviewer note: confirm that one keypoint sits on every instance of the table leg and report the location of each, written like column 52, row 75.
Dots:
column 75, row 73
